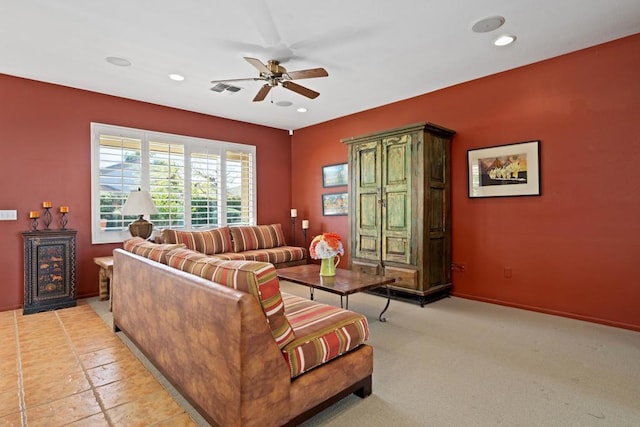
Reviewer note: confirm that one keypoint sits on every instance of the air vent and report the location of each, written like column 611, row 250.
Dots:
column 222, row 87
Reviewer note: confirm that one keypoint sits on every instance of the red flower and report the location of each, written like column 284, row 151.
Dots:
column 326, row 245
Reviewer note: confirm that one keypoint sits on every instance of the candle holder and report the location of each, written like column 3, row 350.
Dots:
column 305, row 228
column 46, row 218
column 63, row 220
column 34, row 224
column 293, row 229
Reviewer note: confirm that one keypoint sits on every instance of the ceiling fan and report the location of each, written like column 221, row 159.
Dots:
column 275, row 74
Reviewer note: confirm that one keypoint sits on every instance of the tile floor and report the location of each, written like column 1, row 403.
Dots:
column 66, row 367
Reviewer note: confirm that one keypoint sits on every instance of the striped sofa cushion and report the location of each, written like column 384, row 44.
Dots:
column 154, row 251
column 323, row 332
column 277, row 236
column 286, row 254
column 233, row 256
column 247, row 238
column 185, row 259
column 256, row 278
column 214, row 241
column 256, row 255
column 278, row 255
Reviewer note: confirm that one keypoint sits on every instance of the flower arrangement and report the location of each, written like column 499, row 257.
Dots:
column 326, row 245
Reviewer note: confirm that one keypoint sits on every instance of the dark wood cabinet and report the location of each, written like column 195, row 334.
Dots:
column 49, row 270
column 400, row 208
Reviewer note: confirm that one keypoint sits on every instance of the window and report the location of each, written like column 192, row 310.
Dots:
column 194, row 183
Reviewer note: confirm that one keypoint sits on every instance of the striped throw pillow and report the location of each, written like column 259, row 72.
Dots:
column 249, row 238
column 210, row 242
column 278, row 236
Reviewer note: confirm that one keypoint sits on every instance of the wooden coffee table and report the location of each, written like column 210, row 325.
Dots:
column 344, row 283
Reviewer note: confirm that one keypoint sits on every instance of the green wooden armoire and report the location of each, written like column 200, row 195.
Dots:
column 400, row 207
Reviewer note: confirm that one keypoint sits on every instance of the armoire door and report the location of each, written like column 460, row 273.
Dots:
column 367, row 165
column 396, row 199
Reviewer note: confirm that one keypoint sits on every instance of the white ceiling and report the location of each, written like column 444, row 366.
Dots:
column 376, row 52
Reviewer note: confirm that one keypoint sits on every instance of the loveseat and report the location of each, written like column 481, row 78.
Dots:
column 248, row 243
column 242, row 352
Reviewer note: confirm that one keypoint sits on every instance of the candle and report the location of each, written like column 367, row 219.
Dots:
column 64, row 209
column 46, row 204
column 34, row 214
column 305, row 224
column 294, row 213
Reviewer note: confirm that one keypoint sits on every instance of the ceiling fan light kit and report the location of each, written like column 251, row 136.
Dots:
column 274, row 74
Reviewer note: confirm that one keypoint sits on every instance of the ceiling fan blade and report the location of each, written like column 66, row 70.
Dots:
column 236, row 80
column 258, row 64
column 261, row 17
column 300, row 89
column 262, row 93
column 307, row 74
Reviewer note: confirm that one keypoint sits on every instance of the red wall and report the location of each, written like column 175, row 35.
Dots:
column 46, row 155
column 573, row 251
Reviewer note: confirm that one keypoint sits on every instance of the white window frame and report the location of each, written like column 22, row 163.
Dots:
column 191, row 145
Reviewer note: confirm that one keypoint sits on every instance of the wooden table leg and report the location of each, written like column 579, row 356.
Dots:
column 110, row 276
column 104, row 285
column 384, row 319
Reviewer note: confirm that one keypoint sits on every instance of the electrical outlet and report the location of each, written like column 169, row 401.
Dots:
column 8, row 215
column 507, row 273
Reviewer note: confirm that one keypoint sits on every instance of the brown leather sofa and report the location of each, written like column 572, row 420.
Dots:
column 213, row 343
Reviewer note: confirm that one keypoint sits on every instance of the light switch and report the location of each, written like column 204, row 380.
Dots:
column 8, row 215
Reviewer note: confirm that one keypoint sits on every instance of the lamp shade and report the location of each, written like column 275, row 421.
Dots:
column 139, row 203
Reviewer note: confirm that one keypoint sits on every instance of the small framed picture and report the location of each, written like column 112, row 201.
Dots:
column 334, row 175
column 335, row 204
column 505, row 170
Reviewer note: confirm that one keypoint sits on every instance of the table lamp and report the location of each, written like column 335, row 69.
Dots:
column 139, row 203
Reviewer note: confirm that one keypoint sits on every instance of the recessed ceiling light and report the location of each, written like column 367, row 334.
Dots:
column 301, row 110
column 176, row 77
column 504, row 40
column 487, row 24
column 284, row 103
column 120, row 62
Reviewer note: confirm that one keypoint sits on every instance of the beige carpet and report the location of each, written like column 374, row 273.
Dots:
column 457, row 362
